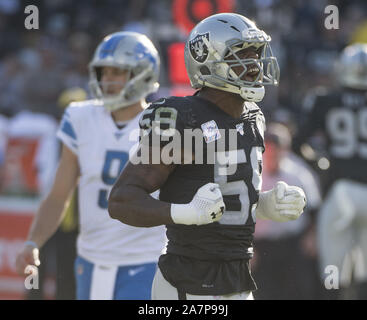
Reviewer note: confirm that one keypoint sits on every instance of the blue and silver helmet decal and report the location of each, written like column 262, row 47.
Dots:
column 142, row 52
column 109, row 46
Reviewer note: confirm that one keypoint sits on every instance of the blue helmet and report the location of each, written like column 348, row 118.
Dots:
column 131, row 51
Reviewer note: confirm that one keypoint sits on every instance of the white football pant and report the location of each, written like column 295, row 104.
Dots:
column 342, row 231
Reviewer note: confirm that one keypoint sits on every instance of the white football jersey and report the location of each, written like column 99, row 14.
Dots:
column 88, row 129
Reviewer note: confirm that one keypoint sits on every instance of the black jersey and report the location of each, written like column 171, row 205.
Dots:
column 341, row 116
column 212, row 259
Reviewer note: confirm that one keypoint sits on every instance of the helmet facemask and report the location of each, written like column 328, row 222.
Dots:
column 231, row 69
column 128, row 95
column 213, row 56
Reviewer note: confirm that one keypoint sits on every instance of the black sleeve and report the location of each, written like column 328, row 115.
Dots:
column 312, row 119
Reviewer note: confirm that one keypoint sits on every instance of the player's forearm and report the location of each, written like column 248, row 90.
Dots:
column 134, row 206
column 46, row 221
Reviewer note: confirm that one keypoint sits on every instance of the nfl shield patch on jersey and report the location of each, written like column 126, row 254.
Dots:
column 210, row 131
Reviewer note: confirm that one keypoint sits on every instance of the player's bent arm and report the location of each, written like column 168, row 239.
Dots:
column 49, row 214
column 130, row 201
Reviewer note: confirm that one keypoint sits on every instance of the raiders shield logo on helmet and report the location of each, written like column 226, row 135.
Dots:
column 198, row 49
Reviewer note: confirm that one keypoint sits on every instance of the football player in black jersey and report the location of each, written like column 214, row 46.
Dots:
column 339, row 116
column 210, row 194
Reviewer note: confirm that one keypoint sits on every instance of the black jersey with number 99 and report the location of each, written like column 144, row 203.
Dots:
column 341, row 116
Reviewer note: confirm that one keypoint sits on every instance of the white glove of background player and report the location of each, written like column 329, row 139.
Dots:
column 282, row 203
column 207, row 206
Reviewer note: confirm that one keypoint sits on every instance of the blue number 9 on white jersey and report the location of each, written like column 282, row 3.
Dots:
column 113, row 165
column 87, row 129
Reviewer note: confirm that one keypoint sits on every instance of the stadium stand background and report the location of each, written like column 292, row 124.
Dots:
column 38, row 66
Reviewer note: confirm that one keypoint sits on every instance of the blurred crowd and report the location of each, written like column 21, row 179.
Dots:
column 40, row 69
column 36, row 66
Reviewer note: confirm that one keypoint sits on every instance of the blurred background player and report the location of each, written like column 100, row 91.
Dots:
column 209, row 208
column 115, row 261
column 285, row 253
column 337, row 125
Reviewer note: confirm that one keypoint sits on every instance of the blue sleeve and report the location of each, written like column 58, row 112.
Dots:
column 67, row 133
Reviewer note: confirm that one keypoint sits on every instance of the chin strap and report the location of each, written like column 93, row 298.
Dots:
column 252, row 94
column 247, row 93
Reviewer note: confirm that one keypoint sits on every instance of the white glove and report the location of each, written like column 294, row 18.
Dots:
column 207, row 206
column 282, row 203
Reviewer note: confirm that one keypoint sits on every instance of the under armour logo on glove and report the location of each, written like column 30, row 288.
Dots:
column 214, row 215
column 207, row 206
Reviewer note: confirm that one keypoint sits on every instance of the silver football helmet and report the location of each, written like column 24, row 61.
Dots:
column 212, row 61
column 131, row 51
column 351, row 67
